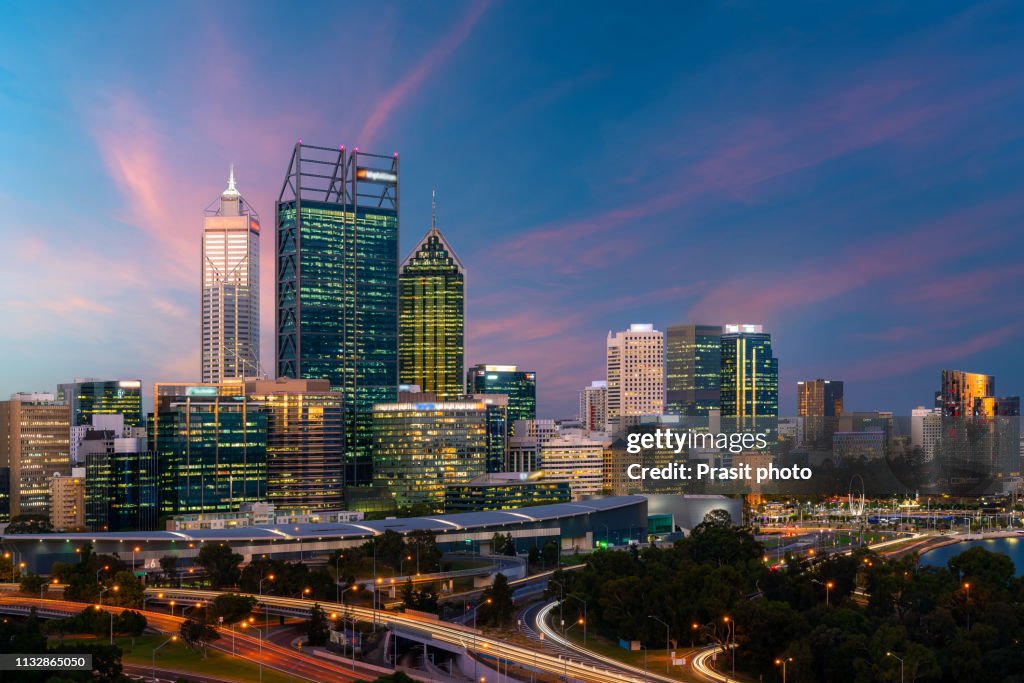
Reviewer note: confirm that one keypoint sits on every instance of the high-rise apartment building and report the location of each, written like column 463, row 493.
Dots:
column 594, row 406
column 925, row 429
column 819, row 402
column 337, row 284
column 423, row 448
column 967, row 394
column 497, row 428
column 431, row 317
column 230, row 289
column 67, row 501
column 577, row 459
column 211, row 442
column 305, row 442
column 750, row 378
column 89, row 396
column 519, row 385
column 635, row 374
column 34, row 443
column 693, row 367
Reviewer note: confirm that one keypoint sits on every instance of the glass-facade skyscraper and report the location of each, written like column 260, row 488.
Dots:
column 750, row 379
column 230, row 289
column 88, row 397
column 337, row 284
column 519, row 385
column 121, row 485
column 693, row 369
column 431, row 317
column 211, row 445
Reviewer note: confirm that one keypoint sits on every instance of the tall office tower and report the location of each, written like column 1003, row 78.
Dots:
column 337, row 284
column 819, row 402
column 750, row 378
column 34, row 443
column 519, row 385
column 211, row 444
column 693, row 367
column 967, row 394
column 577, row 459
column 67, row 501
column 422, row 448
column 89, row 396
column 121, row 483
column 594, row 406
column 431, row 316
column 230, row 288
column 925, row 429
column 635, row 374
column 305, row 442
column 497, row 428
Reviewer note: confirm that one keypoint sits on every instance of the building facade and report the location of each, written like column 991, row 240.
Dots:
column 35, row 443
column 230, row 288
column 636, row 374
column 67, row 501
column 89, row 397
column 693, row 365
column 576, row 459
column 519, row 385
column 423, row 448
column 121, row 483
column 431, row 318
column 594, row 406
column 305, row 442
column 505, row 491
column 750, row 379
column 819, row 403
column 211, row 445
column 337, row 284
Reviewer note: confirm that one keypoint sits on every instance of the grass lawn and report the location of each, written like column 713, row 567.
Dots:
column 178, row 657
column 655, row 658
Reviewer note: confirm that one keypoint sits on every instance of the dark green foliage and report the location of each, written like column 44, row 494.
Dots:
column 221, row 564
column 318, row 631
column 496, row 606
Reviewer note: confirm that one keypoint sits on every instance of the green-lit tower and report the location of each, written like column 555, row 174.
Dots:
column 432, row 315
column 337, row 284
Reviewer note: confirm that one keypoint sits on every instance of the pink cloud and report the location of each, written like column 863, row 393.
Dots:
column 412, row 80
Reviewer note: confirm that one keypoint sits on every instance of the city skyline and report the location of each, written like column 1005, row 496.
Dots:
column 872, row 214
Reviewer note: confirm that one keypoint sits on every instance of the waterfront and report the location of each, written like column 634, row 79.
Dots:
column 1012, row 546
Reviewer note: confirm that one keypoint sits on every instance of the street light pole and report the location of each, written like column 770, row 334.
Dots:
column 899, row 659
column 732, row 641
column 668, row 640
column 157, row 649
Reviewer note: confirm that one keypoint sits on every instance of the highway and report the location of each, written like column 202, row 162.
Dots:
column 282, row 659
column 434, row 631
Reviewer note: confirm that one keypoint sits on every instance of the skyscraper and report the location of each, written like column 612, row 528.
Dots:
column 88, row 397
column 967, row 394
column 636, row 374
column 337, row 284
column 519, row 385
column 230, row 288
column 750, row 378
column 211, row 442
column 431, row 319
column 594, row 406
column 305, row 442
column 34, row 444
column 693, row 366
column 121, row 483
column 819, row 403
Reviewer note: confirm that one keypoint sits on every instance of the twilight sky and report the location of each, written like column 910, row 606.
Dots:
column 848, row 174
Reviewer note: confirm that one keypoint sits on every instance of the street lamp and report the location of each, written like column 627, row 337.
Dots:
column 967, row 604
column 899, row 659
column 782, row 662
column 100, row 609
column 731, row 626
column 134, row 550
column 268, row 577
column 337, row 576
column 694, row 627
column 157, row 649
column 668, row 639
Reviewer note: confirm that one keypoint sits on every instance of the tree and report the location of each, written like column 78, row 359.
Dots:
column 317, row 629
column 534, row 554
column 220, row 563
column 29, row 524
column 496, row 604
column 231, row 607
column 131, row 623
column 32, row 584
column 509, row 547
column 197, row 635
column 550, row 552
column 129, row 590
column 169, row 566
column 390, row 548
column 422, row 545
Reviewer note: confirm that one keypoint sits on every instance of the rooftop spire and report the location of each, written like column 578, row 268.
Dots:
column 433, row 210
column 232, row 190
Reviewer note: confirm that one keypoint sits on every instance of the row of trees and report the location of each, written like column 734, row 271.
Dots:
column 963, row 622
column 29, row 636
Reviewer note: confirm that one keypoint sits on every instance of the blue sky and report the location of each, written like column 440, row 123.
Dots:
column 849, row 175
